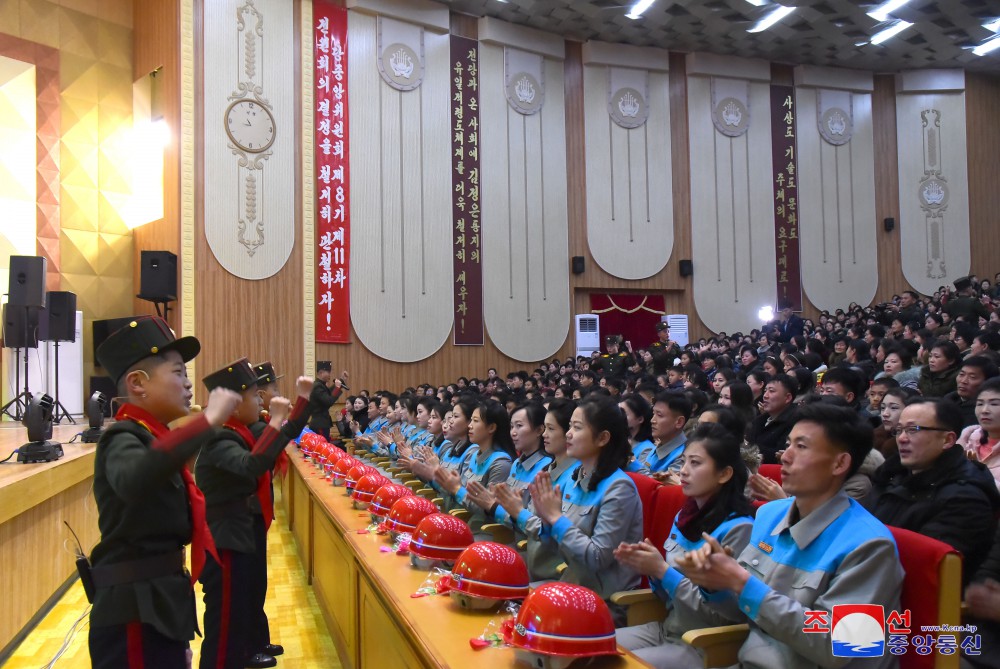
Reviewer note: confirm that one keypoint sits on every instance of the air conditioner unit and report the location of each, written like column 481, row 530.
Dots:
column 678, row 328
column 588, row 334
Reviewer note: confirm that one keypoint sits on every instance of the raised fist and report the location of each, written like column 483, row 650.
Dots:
column 221, row 404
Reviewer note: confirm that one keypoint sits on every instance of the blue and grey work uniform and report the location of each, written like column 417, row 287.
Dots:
column 452, row 457
column 592, row 524
column 486, row 467
column 666, row 457
column 659, row 643
column 838, row 554
column 522, row 473
column 640, row 452
column 561, row 474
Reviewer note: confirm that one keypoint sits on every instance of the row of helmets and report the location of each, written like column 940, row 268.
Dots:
column 556, row 623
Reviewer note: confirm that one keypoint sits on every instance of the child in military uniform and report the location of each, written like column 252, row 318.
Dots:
column 147, row 503
column 234, row 472
column 267, row 389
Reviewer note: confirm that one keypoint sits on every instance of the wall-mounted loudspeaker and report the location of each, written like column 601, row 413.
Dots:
column 578, row 265
column 158, row 276
column 686, row 267
column 889, row 224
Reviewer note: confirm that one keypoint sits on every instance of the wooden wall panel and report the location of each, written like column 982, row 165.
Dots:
column 156, row 45
column 235, row 317
column 891, row 279
column 982, row 99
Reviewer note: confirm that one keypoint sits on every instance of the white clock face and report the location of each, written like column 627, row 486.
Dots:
column 250, row 125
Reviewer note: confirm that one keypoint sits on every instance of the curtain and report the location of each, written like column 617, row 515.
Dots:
column 632, row 316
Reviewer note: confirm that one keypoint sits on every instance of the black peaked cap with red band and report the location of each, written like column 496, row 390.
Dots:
column 237, row 376
column 143, row 337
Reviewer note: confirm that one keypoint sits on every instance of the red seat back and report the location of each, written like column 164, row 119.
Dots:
column 772, row 472
column 669, row 500
column 647, row 491
column 932, row 594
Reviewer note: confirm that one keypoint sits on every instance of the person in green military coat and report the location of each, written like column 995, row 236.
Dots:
column 148, row 507
column 233, row 470
column 615, row 363
column 660, row 355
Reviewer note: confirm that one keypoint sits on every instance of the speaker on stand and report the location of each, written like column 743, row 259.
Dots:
column 58, row 324
column 25, row 300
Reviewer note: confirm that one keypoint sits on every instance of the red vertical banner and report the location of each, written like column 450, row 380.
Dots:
column 333, row 204
column 786, row 200
column 466, row 219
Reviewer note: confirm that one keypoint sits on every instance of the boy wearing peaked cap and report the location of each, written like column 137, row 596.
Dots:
column 234, row 473
column 267, row 389
column 147, row 503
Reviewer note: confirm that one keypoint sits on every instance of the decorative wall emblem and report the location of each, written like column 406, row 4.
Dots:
column 932, row 193
column 836, row 126
column 250, row 125
column 525, row 94
column 731, row 117
column 628, row 107
column 401, row 67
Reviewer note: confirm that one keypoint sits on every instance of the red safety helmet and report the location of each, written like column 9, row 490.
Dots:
column 384, row 498
column 489, row 571
column 333, row 456
column 309, row 441
column 355, row 473
column 565, row 620
column 407, row 512
column 365, row 489
column 340, row 470
column 439, row 537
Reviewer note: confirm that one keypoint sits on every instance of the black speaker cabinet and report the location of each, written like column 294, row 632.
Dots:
column 20, row 326
column 578, row 265
column 686, row 267
column 102, row 329
column 158, row 276
column 27, row 282
column 889, row 224
column 58, row 321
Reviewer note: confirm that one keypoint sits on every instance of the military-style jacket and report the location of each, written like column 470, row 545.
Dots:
column 143, row 512
column 321, row 399
column 228, row 470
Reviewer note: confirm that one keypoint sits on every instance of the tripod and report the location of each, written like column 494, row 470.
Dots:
column 23, row 399
column 58, row 410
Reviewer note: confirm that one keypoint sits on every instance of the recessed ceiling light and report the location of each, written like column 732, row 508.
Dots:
column 758, row 3
column 987, row 47
column 890, row 32
column 638, row 8
column 773, row 17
column 993, row 26
column 882, row 12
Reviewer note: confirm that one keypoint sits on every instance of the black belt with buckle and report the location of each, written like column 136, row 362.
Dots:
column 143, row 569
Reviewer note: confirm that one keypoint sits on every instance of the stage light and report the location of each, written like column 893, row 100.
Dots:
column 766, row 314
column 95, row 416
column 38, row 421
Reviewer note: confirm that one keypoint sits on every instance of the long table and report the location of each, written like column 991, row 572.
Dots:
column 35, row 499
column 364, row 593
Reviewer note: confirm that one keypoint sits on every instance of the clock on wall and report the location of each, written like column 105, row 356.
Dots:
column 250, row 125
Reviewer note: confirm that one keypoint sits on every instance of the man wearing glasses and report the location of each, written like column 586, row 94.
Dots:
column 930, row 486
